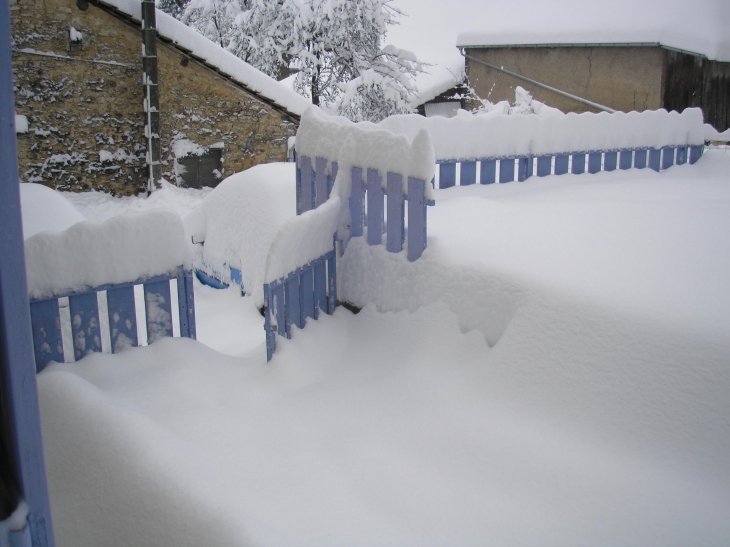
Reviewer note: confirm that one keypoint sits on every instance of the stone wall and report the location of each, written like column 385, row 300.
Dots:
column 622, row 78
column 85, row 108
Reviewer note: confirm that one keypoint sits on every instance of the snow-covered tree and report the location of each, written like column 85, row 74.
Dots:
column 173, row 7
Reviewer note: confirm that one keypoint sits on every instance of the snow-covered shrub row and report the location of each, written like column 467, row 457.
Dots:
column 494, row 134
column 89, row 254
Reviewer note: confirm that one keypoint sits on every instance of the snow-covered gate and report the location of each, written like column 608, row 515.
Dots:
column 353, row 180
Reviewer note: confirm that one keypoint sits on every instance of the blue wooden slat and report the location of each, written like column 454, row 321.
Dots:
column 655, row 155
column 611, row 161
column 561, row 164
column 416, row 218
column 682, row 155
column 320, row 182
column 320, row 286
column 579, row 163
column 357, row 203
column 625, row 159
column 293, row 312
column 640, row 158
column 307, row 185
column 332, row 177
column 544, row 165
column 468, row 173
column 331, row 282
column 667, row 157
column 189, row 304
column 447, row 174
column 269, row 322
column 123, row 319
column 306, row 292
column 488, row 172
column 396, row 214
column 85, row 324
column 277, row 306
column 47, row 338
column 158, row 310
column 524, row 169
column 375, row 208
column 506, row 170
column 695, row 153
column 594, row 162
column 299, row 188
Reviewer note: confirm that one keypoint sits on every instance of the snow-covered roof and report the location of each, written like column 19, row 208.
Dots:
column 237, row 69
column 700, row 28
column 439, row 79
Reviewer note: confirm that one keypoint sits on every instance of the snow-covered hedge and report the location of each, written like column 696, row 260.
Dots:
column 89, row 254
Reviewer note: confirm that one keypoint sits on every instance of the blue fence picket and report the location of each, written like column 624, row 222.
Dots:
column 625, row 159
column 320, row 182
column 306, row 292
column 268, row 322
column 506, row 170
column 293, row 315
column 578, row 166
column 655, row 156
column 299, row 187
column 695, row 153
column 47, row 339
column 331, row 283
column 123, row 319
column 524, row 169
column 416, row 218
column 667, row 157
column 375, row 208
column 544, row 165
column 187, row 305
column 320, row 286
column 561, row 164
column 594, row 162
column 85, row 324
column 611, row 161
column 277, row 306
column 396, row 214
column 357, row 203
column 447, row 174
column 307, row 194
column 488, row 172
column 334, row 168
column 158, row 310
column 682, row 155
column 640, row 158
column 468, row 173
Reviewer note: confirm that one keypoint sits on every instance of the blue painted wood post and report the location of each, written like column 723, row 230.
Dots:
column 277, row 305
column 524, row 169
column 320, row 182
column 320, row 287
column 269, row 317
column 357, row 203
column 299, row 186
column 307, row 184
column 85, row 324
column 123, row 319
column 306, row 292
column 594, row 162
column 190, row 304
column 21, row 424
column 667, row 157
column 695, row 153
column 561, row 164
column 625, row 159
column 331, row 282
column 416, row 218
column 47, row 338
column 640, row 158
column 506, row 170
column 158, row 310
column 396, row 214
column 579, row 163
column 544, row 165
column 611, row 161
column 488, row 172
column 447, row 174
column 375, row 208
column 655, row 156
column 293, row 314
column 468, row 173
column 682, row 155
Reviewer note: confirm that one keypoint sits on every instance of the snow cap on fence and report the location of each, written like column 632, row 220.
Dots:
column 90, row 254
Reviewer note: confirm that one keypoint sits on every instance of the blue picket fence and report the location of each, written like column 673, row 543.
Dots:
column 508, row 169
column 122, row 313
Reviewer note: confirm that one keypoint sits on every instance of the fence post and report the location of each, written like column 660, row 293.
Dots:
column 416, row 218
column 320, row 185
column 307, row 193
column 357, row 203
column 375, row 208
column 331, row 282
column 396, row 213
column 268, row 327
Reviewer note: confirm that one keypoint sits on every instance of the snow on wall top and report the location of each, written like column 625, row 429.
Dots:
column 700, row 28
column 89, row 254
column 224, row 60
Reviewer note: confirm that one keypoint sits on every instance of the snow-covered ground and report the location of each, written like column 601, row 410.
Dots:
column 554, row 370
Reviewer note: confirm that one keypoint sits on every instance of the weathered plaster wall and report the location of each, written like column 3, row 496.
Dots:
column 81, row 110
column 622, row 78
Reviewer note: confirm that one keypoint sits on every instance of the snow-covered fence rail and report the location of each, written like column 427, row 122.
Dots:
column 93, row 263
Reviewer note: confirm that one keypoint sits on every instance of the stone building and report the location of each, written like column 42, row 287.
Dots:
column 78, row 76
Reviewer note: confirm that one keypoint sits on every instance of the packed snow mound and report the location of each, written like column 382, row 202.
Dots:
column 89, row 254
column 45, row 210
column 239, row 220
